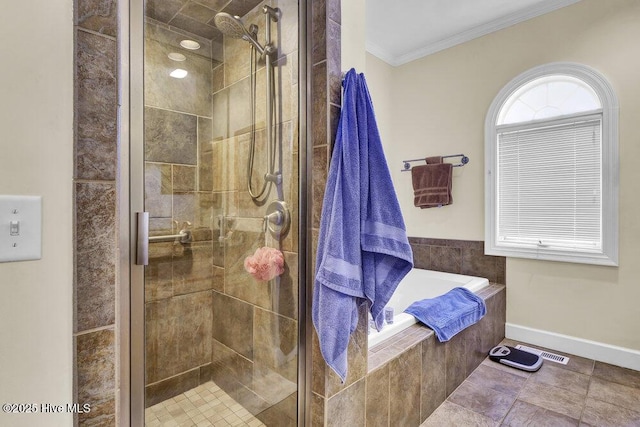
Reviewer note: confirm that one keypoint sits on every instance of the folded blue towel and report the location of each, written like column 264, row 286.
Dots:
column 450, row 313
column 363, row 249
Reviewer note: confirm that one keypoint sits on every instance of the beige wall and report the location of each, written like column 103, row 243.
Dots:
column 439, row 107
column 353, row 35
column 36, row 159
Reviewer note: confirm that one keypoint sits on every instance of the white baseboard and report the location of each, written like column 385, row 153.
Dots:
column 619, row 356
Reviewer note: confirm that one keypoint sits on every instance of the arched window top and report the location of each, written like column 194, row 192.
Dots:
column 547, row 97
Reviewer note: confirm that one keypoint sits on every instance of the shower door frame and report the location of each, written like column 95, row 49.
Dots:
column 131, row 337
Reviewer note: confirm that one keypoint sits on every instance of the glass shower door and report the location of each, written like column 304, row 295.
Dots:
column 221, row 284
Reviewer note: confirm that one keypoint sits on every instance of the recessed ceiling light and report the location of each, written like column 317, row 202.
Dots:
column 179, row 73
column 175, row 56
column 190, row 44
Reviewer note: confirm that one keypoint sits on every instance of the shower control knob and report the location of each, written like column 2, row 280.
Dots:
column 278, row 219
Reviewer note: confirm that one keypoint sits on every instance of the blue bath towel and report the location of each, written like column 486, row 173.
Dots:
column 450, row 313
column 363, row 249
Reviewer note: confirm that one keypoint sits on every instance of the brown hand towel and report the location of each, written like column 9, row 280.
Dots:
column 432, row 185
column 433, row 160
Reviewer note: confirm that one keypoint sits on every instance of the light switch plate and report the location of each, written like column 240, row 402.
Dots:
column 20, row 228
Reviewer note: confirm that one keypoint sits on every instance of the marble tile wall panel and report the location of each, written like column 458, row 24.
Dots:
column 275, row 344
column 205, row 154
column 287, row 29
column 163, row 10
column 178, row 335
column 230, row 370
column 182, row 20
column 173, row 386
column 196, row 209
column 283, row 413
column 217, row 78
column 95, row 207
column 95, row 364
column 240, row 7
column 170, row 137
column 158, row 193
column 191, row 95
column 318, row 29
column 184, row 178
column 198, row 12
column 404, row 387
column 433, row 377
column 320, row 173
column 96, row 107
column 286, row 300
column 192, row 268
column 98, row 15
column 101, row 414
column 158, row 275
column 95, row 255
column 239, row 113
column 237, row 60
column 347, row 408
column 320, row 104
column 378, row 397
column 233, row 324
column 172, row 36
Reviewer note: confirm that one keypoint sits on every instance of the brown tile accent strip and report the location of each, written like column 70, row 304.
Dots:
column 97, row 15
column 96, row 107
column 102, row 414
column 95, row 207
column 96, row 367
column 95, row 255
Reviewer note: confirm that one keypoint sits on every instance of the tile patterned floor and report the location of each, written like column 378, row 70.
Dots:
column 582, row 393
column 206, row 405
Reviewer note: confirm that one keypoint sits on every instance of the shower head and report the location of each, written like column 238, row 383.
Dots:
column 233, row 27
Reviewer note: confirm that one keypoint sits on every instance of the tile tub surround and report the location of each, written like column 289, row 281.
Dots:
column 411, row 374
column 457, row 256
column 582, row 393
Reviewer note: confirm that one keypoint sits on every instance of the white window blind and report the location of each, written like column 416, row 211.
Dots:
column 549, row 184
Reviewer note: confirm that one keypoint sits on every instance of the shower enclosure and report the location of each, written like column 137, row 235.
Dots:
column 215, row 161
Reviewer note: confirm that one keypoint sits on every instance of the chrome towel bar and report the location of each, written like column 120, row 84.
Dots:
column 463, row 161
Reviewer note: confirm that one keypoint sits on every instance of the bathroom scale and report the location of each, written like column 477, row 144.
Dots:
column 515, row 358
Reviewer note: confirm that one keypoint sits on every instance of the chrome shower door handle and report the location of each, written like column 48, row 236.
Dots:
column 142, row 238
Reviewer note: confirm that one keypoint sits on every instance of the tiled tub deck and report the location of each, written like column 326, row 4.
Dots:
column 412, row 373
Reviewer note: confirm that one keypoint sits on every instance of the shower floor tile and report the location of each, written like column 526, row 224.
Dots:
column 206, row 405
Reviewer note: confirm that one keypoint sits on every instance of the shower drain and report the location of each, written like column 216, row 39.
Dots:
column 544, row 354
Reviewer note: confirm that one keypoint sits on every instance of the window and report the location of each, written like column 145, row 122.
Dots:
column 551, row 148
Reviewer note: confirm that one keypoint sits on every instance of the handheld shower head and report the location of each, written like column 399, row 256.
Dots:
column 232, row 26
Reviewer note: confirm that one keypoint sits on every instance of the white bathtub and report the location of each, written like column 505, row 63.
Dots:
column 417, row 285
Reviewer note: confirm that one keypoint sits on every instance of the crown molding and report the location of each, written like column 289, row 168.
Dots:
column 470, row 34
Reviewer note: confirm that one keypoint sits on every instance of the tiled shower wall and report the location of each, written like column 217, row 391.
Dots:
column 178, row 194
column 196, row 169
column 206, row 273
